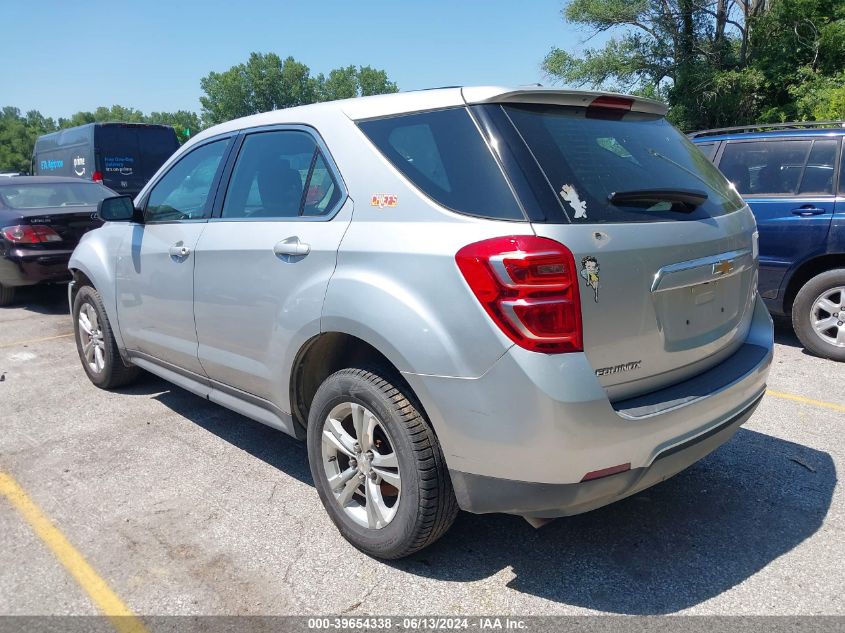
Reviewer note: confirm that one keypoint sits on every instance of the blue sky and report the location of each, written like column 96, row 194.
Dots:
column 60, row 57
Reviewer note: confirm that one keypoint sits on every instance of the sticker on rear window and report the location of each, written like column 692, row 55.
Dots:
column 568, row 193
column 590, row 273
column 382, row 200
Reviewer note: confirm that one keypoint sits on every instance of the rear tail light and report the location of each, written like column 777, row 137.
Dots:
column 528, row 285
column 30, row 234
column 97, row 176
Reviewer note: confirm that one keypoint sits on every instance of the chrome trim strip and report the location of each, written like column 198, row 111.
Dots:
column 705, row 265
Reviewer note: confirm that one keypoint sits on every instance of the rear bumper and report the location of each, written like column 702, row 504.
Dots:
column 521, row 438
column 480, row 494
column 22, row 267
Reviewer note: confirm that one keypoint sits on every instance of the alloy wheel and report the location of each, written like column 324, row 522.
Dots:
column 361, row 466
column 827, row 316
column 91, row 338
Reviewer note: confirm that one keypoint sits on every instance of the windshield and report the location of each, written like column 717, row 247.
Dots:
column 587, row 158
column 51, row 195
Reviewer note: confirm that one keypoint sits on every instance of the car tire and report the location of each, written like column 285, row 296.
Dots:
column 95, row 342
column 403, row 450
column 818, row 315
column 7, row 295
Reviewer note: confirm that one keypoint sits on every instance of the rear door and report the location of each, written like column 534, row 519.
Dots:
column 789, row 184
column 264, row 262
column 666, row 287
column 155, row 269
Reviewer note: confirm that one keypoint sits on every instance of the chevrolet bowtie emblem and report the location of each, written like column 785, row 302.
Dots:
column 722, row 268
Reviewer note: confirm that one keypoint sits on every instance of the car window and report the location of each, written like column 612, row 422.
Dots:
column 588, row 158
column 279, row 174
column 818, row 173
column 707, row 148
column 842, row 172
column 51, row 195
column 769, row 167
column 183, row 193
column 445, row 156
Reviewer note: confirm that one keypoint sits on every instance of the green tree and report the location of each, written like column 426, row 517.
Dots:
column 716, row 62
column 266, row 82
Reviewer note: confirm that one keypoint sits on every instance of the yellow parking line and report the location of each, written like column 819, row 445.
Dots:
column 106, row 600
column 34, row 340
column 803, row 400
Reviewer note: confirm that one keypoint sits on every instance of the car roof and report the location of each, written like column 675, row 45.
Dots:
column 790, row 133
column 40, row 180
column 361, row 108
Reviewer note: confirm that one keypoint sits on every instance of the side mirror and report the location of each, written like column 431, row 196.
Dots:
column 118, row 209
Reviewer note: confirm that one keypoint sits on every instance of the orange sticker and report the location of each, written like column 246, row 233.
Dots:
column 382, row 200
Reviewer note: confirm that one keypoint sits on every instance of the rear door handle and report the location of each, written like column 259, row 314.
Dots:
column 179, row 252
column 291, row 247
column 807, row 211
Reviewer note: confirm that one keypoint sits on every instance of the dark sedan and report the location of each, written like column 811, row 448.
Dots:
column 41, row 221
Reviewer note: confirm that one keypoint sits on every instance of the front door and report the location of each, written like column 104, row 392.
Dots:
column 155, row 269
column 789, row 185
column 264, row 262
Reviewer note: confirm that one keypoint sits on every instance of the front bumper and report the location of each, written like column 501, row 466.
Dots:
column 25, row 267
column 521, row 438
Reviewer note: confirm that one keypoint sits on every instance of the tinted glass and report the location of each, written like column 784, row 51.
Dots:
column 707, row 149
column 445, row 156
column 270, row 175
column 322, row 192
column 42, row 195
column 134, row 151
column 765, row 167
column 183, row 193
column 586, row 158
column 842, row 171
column 818, row 173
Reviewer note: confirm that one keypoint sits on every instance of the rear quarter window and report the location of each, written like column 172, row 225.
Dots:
column 444, row 155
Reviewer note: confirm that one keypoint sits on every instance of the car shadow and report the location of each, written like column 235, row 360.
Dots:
column 50, row 299
column 667, row 548
column 784, row 334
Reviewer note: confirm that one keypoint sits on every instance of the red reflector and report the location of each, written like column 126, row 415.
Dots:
column 97, row 176
column 528, row 285
column 606, row 472
column 612, row 103
column 30, row 234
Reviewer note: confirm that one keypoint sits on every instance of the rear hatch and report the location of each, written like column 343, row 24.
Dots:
column 663, row 245
column 69, row 225
column 129, row 155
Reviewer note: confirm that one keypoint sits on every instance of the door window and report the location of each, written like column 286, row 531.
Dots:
column 771, row 167
column 184, row 192
column 818, row 174
column 280, row 174
column 707, row 148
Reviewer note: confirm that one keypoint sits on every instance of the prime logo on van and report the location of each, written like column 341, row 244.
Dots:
column 79, row 165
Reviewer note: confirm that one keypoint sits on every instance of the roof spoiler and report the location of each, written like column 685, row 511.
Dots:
column 552, row 96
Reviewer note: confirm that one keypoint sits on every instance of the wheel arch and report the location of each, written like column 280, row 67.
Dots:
column 331, row 351
column 806, row 271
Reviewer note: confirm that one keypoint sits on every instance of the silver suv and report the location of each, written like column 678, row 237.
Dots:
column 532, row 301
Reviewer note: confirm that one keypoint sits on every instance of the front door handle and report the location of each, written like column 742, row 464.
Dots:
column 178, row 251
column 808, row 210
column 291, row 247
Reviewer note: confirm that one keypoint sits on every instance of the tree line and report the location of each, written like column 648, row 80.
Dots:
column 716, row 62
column 264, row 82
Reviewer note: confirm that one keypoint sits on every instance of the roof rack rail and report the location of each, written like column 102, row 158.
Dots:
column 767, row 126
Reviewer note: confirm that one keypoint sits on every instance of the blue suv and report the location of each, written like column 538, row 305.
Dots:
column 793, row 177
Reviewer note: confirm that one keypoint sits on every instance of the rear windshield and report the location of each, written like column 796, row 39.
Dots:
column 134, row 151
column 586, row 159
column 445, row 156
column 46, row 195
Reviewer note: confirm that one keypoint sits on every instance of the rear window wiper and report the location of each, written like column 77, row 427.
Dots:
column 686, row 199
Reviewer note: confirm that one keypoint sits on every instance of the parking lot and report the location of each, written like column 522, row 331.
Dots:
column 182, row 507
